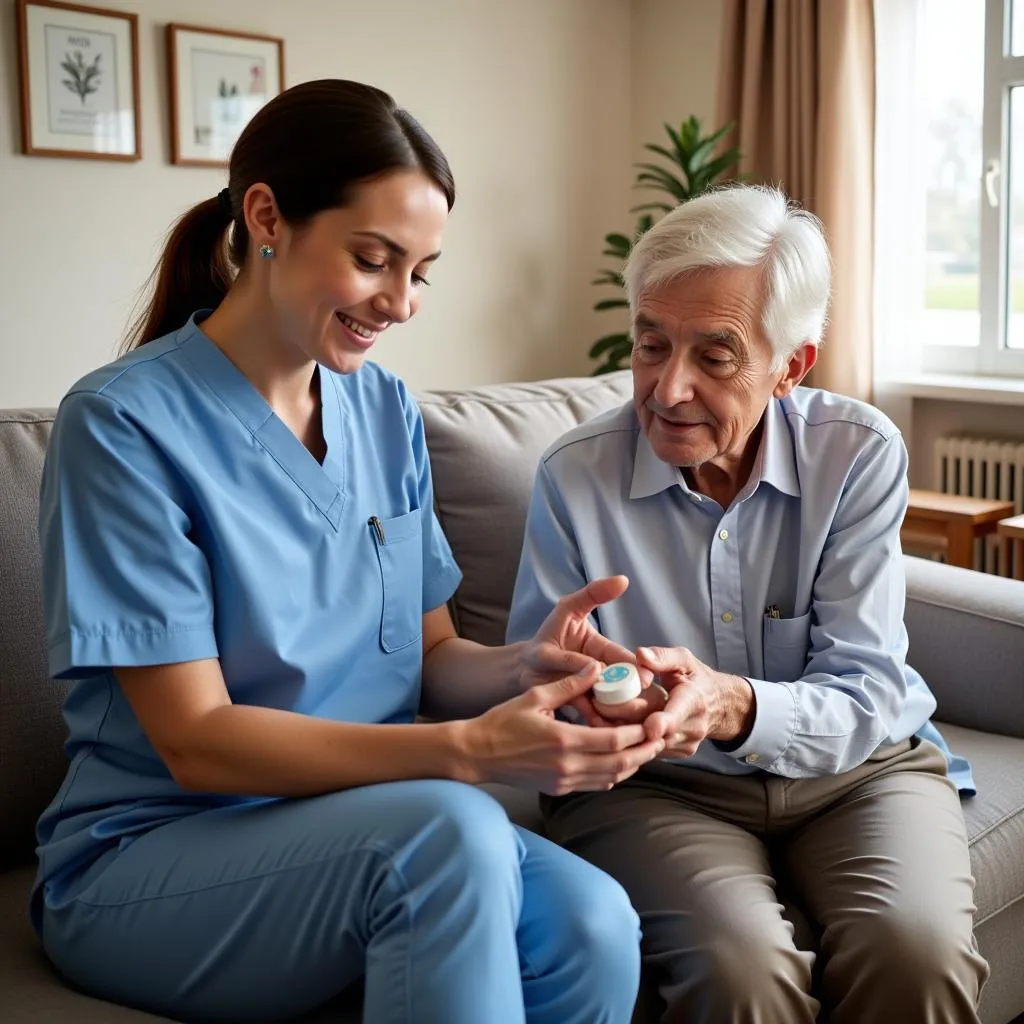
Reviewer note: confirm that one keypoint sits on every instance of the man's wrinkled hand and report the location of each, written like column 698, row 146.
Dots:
column 702, row 702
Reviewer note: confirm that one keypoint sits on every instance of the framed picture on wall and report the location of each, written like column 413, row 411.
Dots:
column 79, row 81
column 219, row 79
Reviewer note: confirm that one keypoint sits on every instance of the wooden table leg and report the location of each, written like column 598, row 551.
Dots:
column 961, row 545
column 1017, row 549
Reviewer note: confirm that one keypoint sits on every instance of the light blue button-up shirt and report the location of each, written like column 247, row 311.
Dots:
column 798, row 586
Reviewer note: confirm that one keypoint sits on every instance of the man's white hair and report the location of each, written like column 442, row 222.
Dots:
column 745, row 226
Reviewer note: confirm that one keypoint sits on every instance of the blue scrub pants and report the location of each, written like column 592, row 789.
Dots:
column 262, row 911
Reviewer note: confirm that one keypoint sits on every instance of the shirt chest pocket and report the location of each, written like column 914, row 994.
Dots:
column 785, row 645
column 400, row 556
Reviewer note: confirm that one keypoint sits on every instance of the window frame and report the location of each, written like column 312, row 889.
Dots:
column 1002, row 72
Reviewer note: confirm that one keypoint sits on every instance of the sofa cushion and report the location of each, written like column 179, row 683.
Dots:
column 31, row 990
column 995, row 827
column 32, row 761
column 995, row 817
column 485, row 444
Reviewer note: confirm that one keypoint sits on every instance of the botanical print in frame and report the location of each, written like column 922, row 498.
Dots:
column 219, row 79
column 79, row 81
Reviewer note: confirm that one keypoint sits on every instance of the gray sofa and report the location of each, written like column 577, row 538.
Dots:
column 966, row 634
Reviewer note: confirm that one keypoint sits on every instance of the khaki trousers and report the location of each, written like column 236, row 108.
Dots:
column 876, row 859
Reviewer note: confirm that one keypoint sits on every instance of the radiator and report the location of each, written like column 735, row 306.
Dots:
column 982, row 467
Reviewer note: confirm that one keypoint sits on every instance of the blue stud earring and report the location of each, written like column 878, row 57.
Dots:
column 266, row 251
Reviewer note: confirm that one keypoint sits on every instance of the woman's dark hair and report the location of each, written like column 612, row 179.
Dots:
column 311, row 144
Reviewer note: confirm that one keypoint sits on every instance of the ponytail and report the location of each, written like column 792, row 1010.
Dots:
column 193, row 273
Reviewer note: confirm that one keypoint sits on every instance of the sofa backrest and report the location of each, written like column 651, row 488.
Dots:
column 32, row 761
column 484, row 447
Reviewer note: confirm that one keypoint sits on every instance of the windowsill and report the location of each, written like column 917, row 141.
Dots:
column 955, row 387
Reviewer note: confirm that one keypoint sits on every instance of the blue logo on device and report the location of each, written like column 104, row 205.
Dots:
column 614, row 673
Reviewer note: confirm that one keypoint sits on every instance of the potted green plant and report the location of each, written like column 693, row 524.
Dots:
column 692, row 169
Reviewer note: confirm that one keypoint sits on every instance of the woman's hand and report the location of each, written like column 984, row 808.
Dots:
column 567, row 642
column 520, row 742
column 637, row 710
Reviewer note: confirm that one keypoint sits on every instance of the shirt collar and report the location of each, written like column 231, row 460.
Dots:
column 650, row 474
column 777, row 459
column 775, row 463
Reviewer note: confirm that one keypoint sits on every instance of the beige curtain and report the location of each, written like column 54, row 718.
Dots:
column 797, row 78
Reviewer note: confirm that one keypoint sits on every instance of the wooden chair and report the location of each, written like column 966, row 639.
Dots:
column 949, row 524
column 1011, row 531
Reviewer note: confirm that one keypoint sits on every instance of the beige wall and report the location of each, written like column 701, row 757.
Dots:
column 530, row 100
column 674, row 63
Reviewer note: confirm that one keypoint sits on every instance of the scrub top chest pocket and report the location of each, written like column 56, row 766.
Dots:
column 785, row 644
column 400, row 554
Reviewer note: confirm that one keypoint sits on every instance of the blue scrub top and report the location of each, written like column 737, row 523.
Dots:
column 181, row 519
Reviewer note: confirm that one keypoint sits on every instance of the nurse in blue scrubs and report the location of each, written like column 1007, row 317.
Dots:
column 245, row 578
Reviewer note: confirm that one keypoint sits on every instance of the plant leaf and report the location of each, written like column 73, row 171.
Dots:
column 722, row 163
column 611, row 304
column 690, row 132
column 609, row 341
column 661, row 151
column 700, row 154
column 664, row 180
column 722, row 132
column 699, row 181
column 656, row 169
column 664, row 207
column 668, row 184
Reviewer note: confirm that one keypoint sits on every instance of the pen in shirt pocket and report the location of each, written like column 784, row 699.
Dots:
column 772, row 612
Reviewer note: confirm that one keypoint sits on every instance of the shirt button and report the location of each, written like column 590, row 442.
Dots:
column 723, row 534
column 752, row 758
column 727, row 616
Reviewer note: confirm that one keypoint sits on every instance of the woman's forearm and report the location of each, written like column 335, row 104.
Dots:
column 462, row 679
column 267, row 752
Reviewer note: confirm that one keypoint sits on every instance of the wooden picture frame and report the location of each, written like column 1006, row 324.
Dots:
column 79, row 81
column 218, row 80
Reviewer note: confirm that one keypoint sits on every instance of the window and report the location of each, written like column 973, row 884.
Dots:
column 949, row 183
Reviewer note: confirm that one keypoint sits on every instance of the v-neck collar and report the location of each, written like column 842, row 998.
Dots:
column 323, row 484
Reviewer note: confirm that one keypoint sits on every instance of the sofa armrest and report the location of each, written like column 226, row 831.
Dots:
column 967, row 640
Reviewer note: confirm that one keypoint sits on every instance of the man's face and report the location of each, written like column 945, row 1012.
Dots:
column 701, row 365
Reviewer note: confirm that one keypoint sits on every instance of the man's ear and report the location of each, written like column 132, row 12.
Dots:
column 799, row 365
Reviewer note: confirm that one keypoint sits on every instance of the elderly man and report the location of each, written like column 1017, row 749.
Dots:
column 759, row 523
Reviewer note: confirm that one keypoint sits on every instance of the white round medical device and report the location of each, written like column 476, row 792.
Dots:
column 617, row 684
